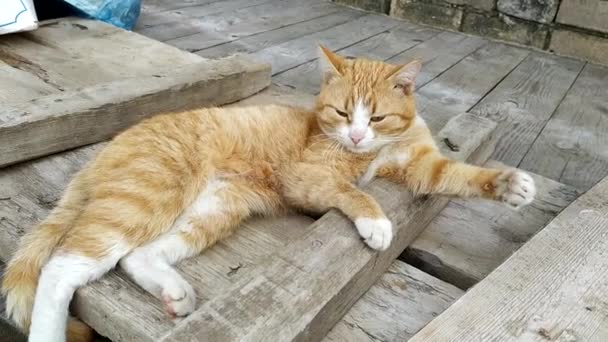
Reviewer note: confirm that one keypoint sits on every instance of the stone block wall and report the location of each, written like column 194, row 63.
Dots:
column 577, row 28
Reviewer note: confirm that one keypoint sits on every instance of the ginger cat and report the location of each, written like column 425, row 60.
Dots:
column 175, row 184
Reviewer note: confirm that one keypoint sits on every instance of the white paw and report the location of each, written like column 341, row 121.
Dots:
column 179, row 299
column 377, row 233
column 519, row 188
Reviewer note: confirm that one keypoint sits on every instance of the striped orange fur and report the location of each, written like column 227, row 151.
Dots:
column 175, row 184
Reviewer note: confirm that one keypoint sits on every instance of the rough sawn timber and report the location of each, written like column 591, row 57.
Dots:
column 67, row 85
column 553, row 288
column 302, row 289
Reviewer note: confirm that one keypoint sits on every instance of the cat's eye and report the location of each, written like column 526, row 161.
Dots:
column 376, row 118
column 341, row 113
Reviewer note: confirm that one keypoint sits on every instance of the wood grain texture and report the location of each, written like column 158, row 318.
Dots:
column 397, row 306
column 304, row 49
column 460, row 87
column 554, row 288
column 76, row 110
column 572, row 146
column 171, row 25
column 525, row 100
column 214, row 30
column 439, row 54
column 269, row 38
column 302, row 289
column 307, row 77
column 163, row 15
column 469, row 239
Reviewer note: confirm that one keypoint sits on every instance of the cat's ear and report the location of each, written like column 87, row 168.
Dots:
column 404, row 76
column 330, row 64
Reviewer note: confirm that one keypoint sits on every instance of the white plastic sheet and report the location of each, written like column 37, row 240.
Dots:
column 17, row 15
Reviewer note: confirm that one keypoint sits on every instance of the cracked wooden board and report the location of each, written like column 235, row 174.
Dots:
column 553, row 288
column 262, row 253
column 75, row 82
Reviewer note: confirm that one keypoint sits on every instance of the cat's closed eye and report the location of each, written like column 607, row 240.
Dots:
column 341, row 113
column 377, row 118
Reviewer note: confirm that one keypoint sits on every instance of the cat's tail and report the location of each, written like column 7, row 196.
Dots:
column 34, row 251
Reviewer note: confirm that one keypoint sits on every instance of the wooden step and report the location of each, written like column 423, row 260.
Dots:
column 553, row 288
column 399, row 304
column 288, row 278
column 470, row 238
column 74, row 82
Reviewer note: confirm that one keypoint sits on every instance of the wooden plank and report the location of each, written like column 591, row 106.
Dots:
column 156, row 15
column 304, row 49
column 460, row 87
column 71, row 53
column 384, row 45
column 399, row 304
column 65, row 120
column 288, row 296
column 554, row 288
column 216, row 30
column 572, row 146
column 24, row 86
column 469, row 239
column 151, row 6
column 439, row 54
column 247, row 23
column 525, row 100
column 263, row 40
column 115, row 306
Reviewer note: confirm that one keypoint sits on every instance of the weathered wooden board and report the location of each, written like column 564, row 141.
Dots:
column 95, row 80
column 153, row 15
column 553, row 289
column 525, row 100
column 465, row 83
column 190, row 26
column 399, row 304
column 307, row 77
column 286, row 33
column 572, row 148
column 302, row 289
column 304, row 49
column 439, row 54
column 469, row 239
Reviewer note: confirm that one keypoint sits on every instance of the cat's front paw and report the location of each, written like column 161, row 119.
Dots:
column 515, row 188
column 179, row 299
column 377, row 233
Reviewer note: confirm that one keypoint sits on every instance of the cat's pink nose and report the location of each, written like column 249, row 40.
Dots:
column 356, row 137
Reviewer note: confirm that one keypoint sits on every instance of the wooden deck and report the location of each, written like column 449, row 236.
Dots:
column 552, row 116
column 552, row 113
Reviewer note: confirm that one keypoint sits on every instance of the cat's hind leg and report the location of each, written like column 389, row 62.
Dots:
column 214, row 215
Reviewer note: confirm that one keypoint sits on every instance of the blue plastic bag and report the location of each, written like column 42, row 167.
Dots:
column 121, row 13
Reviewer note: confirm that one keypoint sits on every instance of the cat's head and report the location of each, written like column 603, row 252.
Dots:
column 365, row 104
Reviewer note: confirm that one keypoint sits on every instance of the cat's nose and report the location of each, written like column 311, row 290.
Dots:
column 356, row 137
